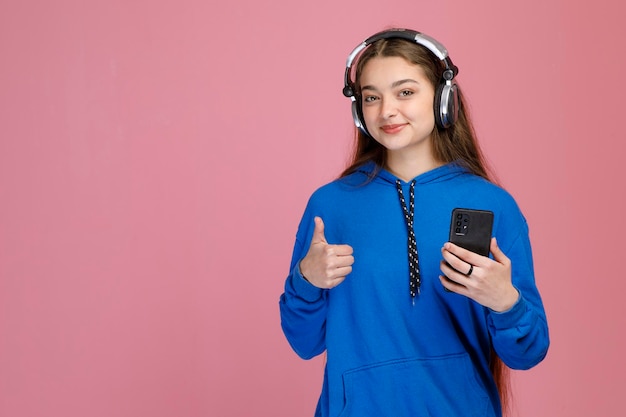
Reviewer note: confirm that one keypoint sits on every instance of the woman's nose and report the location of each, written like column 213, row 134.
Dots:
column 388, row 109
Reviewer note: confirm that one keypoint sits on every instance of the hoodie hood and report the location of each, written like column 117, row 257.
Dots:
column 370, row 171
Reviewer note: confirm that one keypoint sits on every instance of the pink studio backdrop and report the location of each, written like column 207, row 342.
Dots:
column 156, row 156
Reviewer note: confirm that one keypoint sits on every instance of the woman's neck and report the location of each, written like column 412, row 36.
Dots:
column 406, row 167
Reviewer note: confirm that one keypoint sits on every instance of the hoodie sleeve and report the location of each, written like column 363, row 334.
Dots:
column 520, row 335
column 303, row 306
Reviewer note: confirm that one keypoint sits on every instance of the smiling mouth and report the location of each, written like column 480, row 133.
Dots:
column 392, row 128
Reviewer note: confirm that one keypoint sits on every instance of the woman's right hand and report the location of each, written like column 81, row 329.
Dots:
column 326, row 265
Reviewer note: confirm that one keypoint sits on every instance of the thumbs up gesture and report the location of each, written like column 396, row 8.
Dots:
column 325, row 265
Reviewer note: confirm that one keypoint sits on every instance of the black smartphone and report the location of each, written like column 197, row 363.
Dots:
column 471, row 229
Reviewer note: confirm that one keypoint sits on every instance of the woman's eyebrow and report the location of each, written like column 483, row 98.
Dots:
column 406, row 80
column 393, row 85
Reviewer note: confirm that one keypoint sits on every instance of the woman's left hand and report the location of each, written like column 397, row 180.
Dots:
column 486, row 281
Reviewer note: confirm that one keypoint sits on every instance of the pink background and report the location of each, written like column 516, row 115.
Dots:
column 156, row 156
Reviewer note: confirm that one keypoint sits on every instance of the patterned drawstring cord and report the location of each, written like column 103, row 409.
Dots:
column 409, row 212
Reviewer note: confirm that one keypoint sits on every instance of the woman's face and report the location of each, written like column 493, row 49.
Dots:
column 397, row 101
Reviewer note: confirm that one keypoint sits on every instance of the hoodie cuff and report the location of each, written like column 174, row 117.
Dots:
column 303, row 288
column 511, row 317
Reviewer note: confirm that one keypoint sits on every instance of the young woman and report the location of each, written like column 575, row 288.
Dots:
column 412, row 324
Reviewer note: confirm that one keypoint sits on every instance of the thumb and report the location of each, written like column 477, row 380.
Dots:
column 318, row 232
column 497, row 253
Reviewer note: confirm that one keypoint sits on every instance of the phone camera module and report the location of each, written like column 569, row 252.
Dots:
column 461, row 224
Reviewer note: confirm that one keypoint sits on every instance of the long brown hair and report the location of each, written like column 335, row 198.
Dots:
column 456, row 143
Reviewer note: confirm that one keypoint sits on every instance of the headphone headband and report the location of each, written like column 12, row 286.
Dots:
column 411, row 35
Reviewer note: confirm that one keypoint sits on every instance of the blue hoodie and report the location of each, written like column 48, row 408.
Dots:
column 387, row 356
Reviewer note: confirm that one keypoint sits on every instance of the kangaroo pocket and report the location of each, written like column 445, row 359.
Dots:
column 443, row 386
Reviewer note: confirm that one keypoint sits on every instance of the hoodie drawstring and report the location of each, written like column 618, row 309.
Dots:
column 409, row 212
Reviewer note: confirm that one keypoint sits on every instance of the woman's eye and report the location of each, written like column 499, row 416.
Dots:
column 406, row 93
column 369, row 99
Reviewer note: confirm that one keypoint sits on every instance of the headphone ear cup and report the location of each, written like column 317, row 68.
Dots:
column 437, row 106
column 357, row 114
column 446, row 104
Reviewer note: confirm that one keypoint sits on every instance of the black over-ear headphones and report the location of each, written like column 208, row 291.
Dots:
column 446, row 94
